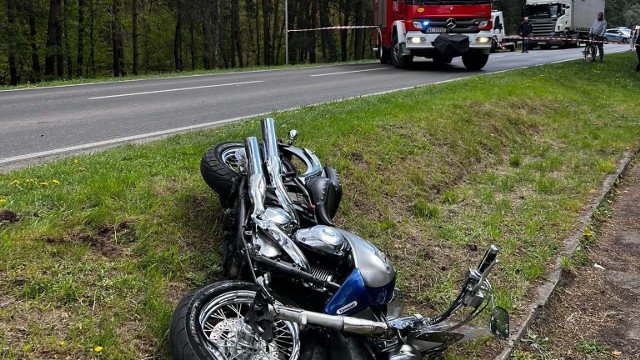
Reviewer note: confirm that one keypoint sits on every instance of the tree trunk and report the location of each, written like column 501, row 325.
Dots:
column 59, row 48
column 235, row 30
column 265, row 32
column 313, row 35
column 192, row 35
column 116, row 41
column 134, row 36
column 92, row 44
column 11, row 39
column 35, row 59
column 343, row 33
column 177, row 42
column 67, row 44
column 52, row 39
column 329, row 50
column 358, row 33
column 80, row 42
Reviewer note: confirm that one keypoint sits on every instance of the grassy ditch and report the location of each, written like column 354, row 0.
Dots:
column 96, row 250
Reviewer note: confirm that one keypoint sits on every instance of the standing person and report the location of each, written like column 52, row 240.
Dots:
column 525, row 29
column 597, row 31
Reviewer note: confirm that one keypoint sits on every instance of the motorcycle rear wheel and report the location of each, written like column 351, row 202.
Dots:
column 220, row 168
column 208, row 323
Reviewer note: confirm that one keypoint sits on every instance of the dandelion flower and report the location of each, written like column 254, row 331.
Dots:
column 98, row 349
column 61, row 343
column 75, row 161
column 44, row 183
column 15, row 182
column 56, row 182
column 3, row 200
column 587, row 233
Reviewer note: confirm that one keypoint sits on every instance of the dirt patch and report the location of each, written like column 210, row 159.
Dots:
column 8, row 216
column 107, row 241
column 593, row 313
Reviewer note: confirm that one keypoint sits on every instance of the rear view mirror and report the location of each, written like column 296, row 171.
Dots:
column 499, row 323
column 293, row 135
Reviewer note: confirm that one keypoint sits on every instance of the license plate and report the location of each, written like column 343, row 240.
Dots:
column 436, row 30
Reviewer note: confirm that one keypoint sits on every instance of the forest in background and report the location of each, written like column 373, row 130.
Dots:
column 67, row 39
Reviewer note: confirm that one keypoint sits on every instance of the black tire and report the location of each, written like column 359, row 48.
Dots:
column 475, row 61
column 188, row 338
column 590, row 53
column 545, row 47
column 512, row 48
column 384, row 53
column 397, row 59
column 625, row 40
column 218, row 172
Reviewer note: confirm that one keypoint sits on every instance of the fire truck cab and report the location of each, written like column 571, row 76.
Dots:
column 436, row 29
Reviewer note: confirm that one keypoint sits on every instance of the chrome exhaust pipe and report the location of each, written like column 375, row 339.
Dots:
column 334, row 322
column 274, row 166
column 257, row 181
column 258, row 194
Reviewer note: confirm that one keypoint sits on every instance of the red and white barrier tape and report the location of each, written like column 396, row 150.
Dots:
column 536, row 38
column 336, row 28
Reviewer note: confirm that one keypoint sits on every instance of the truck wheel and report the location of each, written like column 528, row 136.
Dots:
column 494, row 46
column 545, row 47
column 397, row 59
column 384, row 53
column 475, row 61
column 512, row 48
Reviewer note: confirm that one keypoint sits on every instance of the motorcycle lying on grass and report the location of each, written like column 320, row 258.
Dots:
column 300, row 288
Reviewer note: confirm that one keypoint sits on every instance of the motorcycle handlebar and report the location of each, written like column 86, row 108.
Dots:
column 488, row 259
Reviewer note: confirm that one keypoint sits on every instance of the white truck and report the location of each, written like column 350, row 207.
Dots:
column 561, row 23
column 500, row 40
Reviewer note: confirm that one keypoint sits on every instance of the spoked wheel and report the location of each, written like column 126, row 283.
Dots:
column 209, row 323
column 590, row 53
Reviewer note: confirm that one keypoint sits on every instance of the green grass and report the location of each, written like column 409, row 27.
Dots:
column 433, row 176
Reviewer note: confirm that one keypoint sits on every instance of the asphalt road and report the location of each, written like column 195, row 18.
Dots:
column 36, row 124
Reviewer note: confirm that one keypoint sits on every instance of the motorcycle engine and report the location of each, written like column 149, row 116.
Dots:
column 322, row 240
column 283, row 221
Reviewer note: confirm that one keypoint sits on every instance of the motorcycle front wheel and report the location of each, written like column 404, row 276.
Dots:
column 209, row 323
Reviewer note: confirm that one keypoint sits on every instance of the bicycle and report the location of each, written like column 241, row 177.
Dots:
column 590, row 51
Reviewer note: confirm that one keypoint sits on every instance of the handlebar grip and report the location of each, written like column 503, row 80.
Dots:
column 488, row 259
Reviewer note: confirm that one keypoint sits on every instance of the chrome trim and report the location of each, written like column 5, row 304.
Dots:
column 274, row 166
column 375, row 266
column 257, row 182
column 339, row 323
column 257, row 194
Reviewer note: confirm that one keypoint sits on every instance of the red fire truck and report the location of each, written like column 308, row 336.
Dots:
column 437, row 29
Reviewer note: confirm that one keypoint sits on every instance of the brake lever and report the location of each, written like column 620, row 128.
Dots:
column 473, row 296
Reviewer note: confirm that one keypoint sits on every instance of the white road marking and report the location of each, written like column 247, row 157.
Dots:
column 172, row 90
column 347, row 72
column 127, row 139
